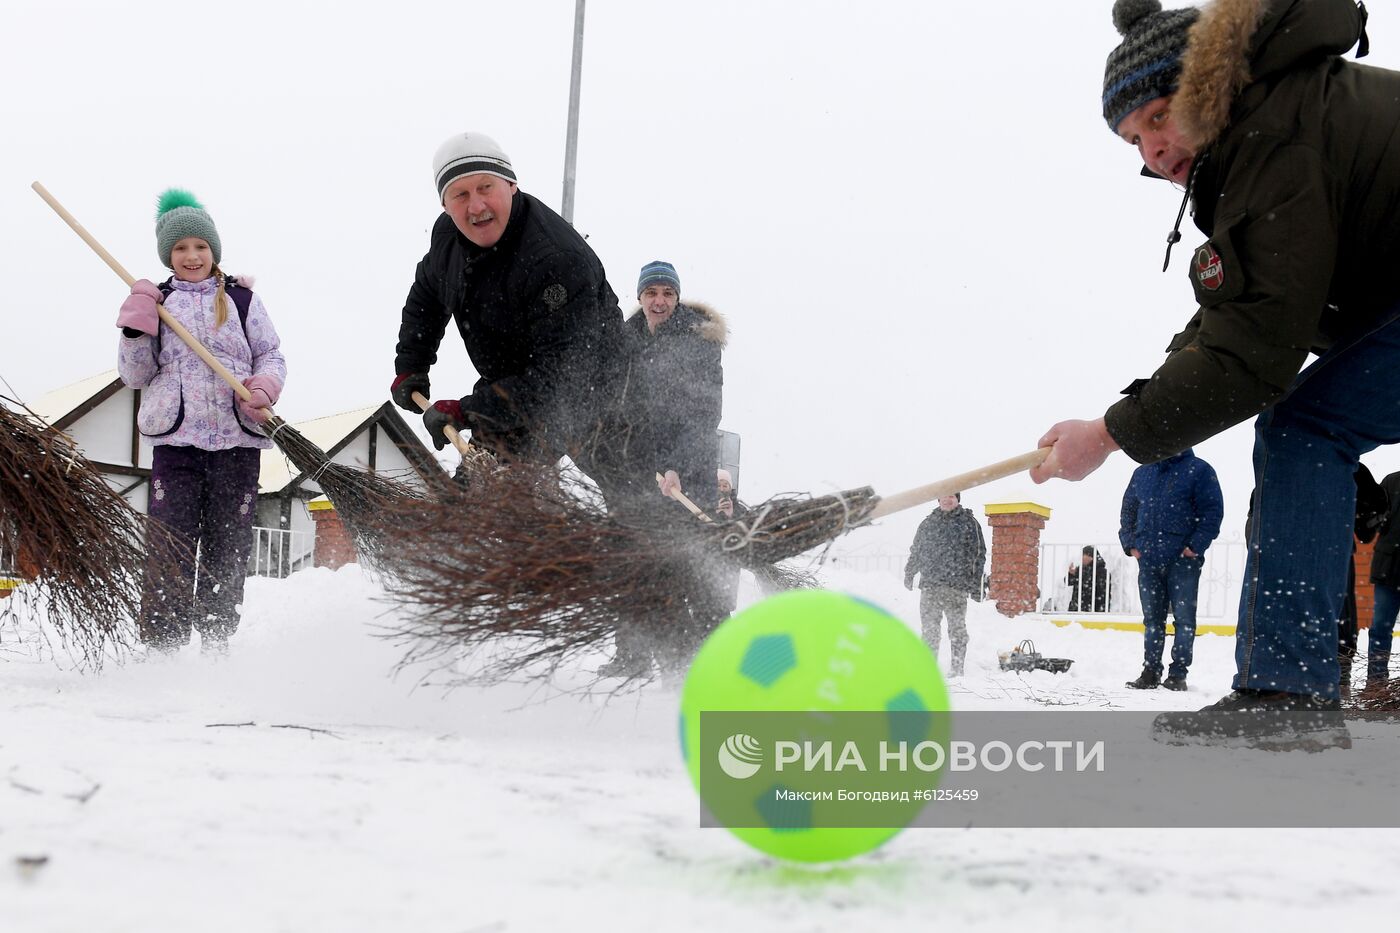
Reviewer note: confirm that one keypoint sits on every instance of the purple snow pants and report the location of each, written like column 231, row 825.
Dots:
column 205, row 498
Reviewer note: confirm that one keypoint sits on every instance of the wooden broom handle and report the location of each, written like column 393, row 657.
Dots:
column 165, row 315
column 684, row 500
column 945, row 487
column 900, row 501
column 452, row 433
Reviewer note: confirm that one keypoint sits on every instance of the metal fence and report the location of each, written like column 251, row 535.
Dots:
column 280, row 552
column 1112, row 591
column 276, row 552
column 1116, row 592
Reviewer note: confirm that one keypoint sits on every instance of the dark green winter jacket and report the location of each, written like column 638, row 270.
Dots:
column 1298, row 190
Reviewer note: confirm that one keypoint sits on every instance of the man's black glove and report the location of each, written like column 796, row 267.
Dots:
column 405, row 384
column 440, row 416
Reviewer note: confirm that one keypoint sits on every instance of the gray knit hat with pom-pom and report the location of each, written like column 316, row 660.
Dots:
column 178, row 215
column 1147, row 64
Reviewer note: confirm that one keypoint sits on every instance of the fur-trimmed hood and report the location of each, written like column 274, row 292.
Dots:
column 708, row 323
column 1235, row 43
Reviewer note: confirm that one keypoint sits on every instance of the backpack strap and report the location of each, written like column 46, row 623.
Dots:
column 242, row 300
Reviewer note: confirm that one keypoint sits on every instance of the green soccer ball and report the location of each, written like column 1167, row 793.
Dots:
column 805, row 651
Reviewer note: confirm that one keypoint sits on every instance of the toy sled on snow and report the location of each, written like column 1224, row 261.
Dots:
column 1024, row 657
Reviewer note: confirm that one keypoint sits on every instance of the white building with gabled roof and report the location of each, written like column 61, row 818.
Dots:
column 99, row 414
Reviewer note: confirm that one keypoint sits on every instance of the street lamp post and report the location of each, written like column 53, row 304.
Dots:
column 571, row 142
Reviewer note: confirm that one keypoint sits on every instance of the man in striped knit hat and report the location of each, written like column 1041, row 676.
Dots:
column 533, row 307
column 1289, row 153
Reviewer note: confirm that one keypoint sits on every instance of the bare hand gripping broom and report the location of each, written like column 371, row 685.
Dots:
column 357, row 494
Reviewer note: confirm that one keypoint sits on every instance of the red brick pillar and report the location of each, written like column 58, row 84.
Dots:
column 334, row 549
column 1365, row 592
column 24, row 570
column 1016, row 555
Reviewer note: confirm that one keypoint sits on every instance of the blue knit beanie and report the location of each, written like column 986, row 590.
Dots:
column 657, row 272
column 1147, row 63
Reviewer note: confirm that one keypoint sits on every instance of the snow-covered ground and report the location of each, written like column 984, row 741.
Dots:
column 167, row 796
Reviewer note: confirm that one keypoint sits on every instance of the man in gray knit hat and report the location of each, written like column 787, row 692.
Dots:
column 1278, row 140
column 533, row 307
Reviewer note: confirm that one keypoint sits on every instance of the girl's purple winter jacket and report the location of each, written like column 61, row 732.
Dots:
column 183, row 402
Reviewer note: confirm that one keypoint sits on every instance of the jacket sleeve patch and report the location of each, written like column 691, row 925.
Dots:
column 554, row 296
column 1216, row 274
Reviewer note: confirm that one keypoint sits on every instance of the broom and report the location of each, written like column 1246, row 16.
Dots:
column 356, row 494
column 1381, row 698
column 526, row 564
column 784, row 527
column 528, row 571
column 771, row 578
column 76, row 544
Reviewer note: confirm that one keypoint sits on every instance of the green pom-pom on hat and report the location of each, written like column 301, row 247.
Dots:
column 172, row 198
column 178, row 215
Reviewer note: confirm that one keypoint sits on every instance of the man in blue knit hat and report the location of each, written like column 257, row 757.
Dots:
column 675, row 384
column 678, row 381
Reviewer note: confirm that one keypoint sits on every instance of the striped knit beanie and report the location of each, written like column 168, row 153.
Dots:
column 657, row 272
column 178, row 215
column 469, row 154
column 1147, row 64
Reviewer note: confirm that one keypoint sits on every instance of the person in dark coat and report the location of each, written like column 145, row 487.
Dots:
column 533, row 307
column 948, row 556
column 675, row 382
column 1171, row 513
column 1385, row 577
column 1088, row 582
column 729, row 505
column 1251, row 106
column 673, row 396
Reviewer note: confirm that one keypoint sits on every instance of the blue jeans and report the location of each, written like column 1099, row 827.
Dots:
column 1175, row 585
column 1382, row 630
column 1306, row 448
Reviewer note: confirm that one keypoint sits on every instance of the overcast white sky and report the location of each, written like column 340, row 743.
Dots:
column 928, row 244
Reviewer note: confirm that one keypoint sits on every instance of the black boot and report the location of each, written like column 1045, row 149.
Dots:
column 627, row 667
column 1175, row 682
column 1147, row 680
column 1267, row 720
